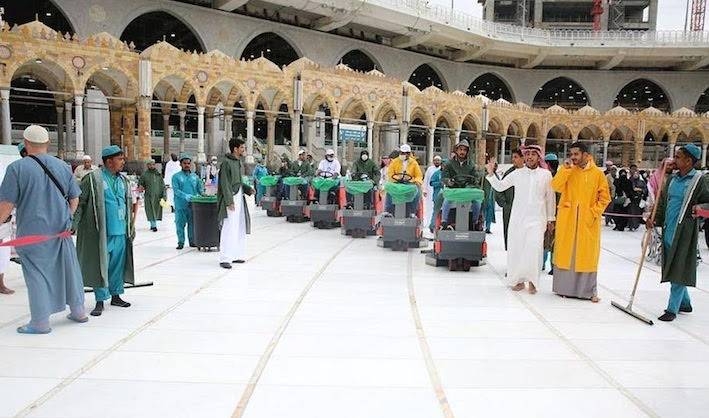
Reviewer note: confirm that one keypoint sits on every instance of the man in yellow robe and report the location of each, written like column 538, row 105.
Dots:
column 577, row 246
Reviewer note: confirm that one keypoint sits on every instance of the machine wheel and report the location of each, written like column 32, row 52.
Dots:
column 453, row 265
column 358, row 233
column 466, row 265
column 271, row 213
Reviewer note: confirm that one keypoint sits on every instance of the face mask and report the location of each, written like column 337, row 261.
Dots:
column 364, row 157
column 403, row 157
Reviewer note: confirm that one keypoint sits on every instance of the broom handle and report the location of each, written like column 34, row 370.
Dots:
column 647, row 236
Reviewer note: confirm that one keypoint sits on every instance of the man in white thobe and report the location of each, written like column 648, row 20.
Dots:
column 533, row 212
column 428, row 195
column 233, row 213
column 172, row 167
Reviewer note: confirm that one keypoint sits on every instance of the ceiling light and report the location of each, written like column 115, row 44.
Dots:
column 48, row 14
column 172, row 35
column 38, row 60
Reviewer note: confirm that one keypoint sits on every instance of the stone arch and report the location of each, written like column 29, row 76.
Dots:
column 186, row 36
column 642, row 93
column 426, row 75
column 359, row 59
column 259, row 44
column 315, row 100
column 353, row 108
column 492, row 86
column 122, row 82
column 702, row 105
column 49, row 12
column 562, row 91
column 56, row 75
column 470, row 123
column 590, row 132
column 385, row 109
column 422, row 114
column 533, row 131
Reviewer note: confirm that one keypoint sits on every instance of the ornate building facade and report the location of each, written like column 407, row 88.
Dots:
column 216, row 87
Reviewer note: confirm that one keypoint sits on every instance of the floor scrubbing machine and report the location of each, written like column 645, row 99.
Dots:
column 271, row 202
column 358, row 220
column 295, row 207
column 402, row 230
column 325, row 212
column 461, row 243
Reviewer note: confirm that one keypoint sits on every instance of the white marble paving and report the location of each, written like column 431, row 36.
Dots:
column 348, row 345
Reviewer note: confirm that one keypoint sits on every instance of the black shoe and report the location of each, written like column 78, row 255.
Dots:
column 487, row 231
column 225, row 265
column 239, row 261
column 685, row 309
column 180, row 246
column 98, row 310
column 117, row 301
column 154, row 229
column 16, row 260
column 667, row 317
column 551, row 272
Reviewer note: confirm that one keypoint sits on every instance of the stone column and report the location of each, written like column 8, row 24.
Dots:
column 481, row 148
column 370, row 138
column 270, row 136
column 336, row 135
column 201, row 157
column 6, row 120
column 295, row 133
column 376, row 144
column 639, row 151
column 672, row 145
column 605, row 151
column 228, row 122
column 429, row 145
column 129, row 131
column 68, row 126
column 501, row 157
column 115, row 128
column 144, row 129
column 60, row 131
column 166, row 136
column 403, row 132
column 79, row 115
column 208, row 135
column 538, row 7
column 566, row 149
column 704, row 156
column 249, row 132
column 183, row 114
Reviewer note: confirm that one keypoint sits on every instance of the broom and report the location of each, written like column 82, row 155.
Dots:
column 646, row 242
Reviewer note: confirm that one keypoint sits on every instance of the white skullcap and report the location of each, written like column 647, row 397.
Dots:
column 36, row 134
column 405, row 148
column 86, row 157
column 301, row 152
column 330, row 152
column 437, row 157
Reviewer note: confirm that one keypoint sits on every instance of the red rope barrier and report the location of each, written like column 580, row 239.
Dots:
column 33, row 239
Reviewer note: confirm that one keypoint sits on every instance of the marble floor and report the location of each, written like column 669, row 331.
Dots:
column 318, row 325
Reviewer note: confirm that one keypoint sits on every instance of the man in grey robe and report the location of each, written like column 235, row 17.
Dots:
column 50, row 265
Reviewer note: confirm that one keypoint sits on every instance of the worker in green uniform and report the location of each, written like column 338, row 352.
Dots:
column 152, row 185
column 185, row 184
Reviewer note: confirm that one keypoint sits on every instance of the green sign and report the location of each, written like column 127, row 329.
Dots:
column 350, row 132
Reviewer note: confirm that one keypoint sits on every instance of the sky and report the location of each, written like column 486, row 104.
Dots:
column 670, row 15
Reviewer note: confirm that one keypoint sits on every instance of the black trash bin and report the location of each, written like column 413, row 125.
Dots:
column 206, row 226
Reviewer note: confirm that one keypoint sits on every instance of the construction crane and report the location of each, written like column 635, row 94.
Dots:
column 699, row 8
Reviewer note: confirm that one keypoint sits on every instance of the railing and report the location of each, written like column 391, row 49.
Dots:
column 464, row 21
